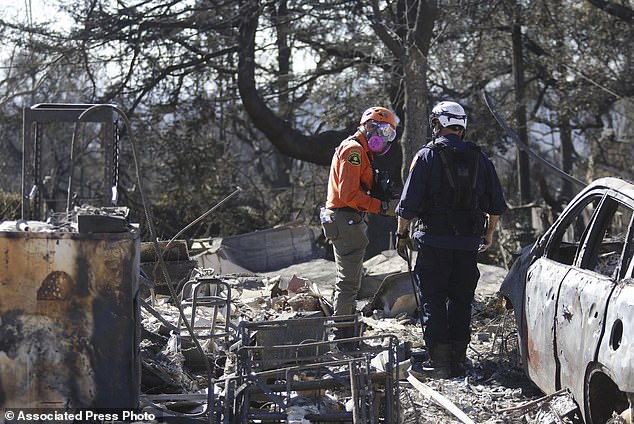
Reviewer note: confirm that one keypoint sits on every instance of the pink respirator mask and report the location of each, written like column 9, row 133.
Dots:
column 381, row 142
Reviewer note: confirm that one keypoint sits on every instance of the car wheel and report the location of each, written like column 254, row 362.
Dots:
column 602, row 397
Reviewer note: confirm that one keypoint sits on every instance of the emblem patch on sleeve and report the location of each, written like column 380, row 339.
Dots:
column 355, row 158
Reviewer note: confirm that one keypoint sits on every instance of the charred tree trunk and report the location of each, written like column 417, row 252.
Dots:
column 283, row 163
column 520, row 110
column 411, row 51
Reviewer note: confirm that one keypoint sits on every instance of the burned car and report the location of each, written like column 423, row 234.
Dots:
column 572, row 292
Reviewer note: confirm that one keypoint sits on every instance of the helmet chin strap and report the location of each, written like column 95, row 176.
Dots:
column 435, row 130
column 363, row 131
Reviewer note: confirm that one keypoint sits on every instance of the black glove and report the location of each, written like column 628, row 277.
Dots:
column 384, row 187
column 403, row 243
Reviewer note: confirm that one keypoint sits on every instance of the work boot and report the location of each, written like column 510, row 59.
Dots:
column 419, row 355
column 459, row 361
column 438, row 365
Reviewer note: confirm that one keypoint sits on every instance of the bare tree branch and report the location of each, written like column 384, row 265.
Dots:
column 614, row 9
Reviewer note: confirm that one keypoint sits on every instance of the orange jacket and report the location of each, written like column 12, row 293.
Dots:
column 351, row 175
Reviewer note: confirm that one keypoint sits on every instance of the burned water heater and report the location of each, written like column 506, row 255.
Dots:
column 69, row 313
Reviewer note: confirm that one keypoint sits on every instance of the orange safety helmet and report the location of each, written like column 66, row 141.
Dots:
column 379, row 114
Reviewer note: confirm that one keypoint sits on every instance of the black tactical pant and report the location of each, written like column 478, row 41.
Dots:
column 447, row 279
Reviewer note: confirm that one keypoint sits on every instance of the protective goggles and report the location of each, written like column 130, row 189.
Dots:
column 385, row 130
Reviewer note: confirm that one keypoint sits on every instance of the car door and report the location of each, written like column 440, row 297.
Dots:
column 585, row 292
column 543, row 284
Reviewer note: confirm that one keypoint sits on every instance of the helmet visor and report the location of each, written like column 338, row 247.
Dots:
column 385, row 130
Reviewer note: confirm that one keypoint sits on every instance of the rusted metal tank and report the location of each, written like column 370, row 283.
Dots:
column 69, row 314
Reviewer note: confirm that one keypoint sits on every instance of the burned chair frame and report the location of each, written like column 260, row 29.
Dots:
column 273, row 375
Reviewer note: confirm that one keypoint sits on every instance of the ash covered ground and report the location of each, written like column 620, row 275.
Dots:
column 494, row 391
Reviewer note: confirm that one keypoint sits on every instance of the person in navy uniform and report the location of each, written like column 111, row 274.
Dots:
column 454, row 195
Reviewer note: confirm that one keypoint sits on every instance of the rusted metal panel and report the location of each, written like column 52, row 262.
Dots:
column 580, row 312
column 68, row 319
column 540, row 307
column 615, row 351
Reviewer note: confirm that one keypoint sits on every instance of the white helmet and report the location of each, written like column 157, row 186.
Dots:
column 448, row 113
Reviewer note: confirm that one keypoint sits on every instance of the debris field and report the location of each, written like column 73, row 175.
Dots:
column 271, row 357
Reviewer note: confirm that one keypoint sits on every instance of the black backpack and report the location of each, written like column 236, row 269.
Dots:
column 455, row 208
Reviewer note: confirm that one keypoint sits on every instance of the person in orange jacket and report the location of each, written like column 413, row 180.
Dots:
column 352, row 193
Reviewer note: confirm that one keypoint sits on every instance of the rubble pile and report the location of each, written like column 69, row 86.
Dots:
column 175, row 381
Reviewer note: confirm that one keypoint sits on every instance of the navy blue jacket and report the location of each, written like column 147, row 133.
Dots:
column 426, row 174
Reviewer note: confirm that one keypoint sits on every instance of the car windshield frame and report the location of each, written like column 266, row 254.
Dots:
column 587, row 247
column 555, row 237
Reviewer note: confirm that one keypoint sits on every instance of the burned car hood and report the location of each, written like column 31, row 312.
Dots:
column 514, row 283
column 513, row 287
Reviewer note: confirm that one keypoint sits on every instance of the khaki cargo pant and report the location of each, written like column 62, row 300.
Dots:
column 349, row 240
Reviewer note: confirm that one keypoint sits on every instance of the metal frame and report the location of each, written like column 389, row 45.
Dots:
column 46, row 113
column 271, row 369
column 212, row 300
